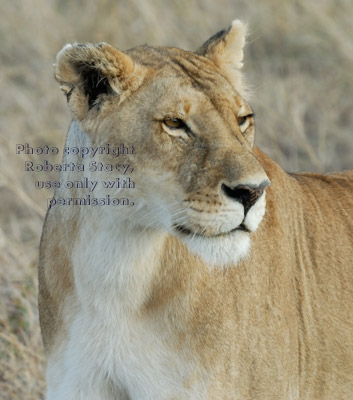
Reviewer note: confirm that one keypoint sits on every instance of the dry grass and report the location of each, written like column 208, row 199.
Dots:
column 299, row 62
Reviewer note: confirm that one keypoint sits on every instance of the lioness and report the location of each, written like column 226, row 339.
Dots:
column 224, row 277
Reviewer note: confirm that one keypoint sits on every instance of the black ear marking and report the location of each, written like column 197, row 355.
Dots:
column 68, row 94
column 94, row 83
column 216, row 38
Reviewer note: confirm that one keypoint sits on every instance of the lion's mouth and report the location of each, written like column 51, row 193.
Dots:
column 185, row 231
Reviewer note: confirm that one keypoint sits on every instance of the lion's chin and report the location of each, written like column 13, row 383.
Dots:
column 185, row 231
column 222, row 250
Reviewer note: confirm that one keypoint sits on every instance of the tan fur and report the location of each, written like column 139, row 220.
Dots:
column 279, row 324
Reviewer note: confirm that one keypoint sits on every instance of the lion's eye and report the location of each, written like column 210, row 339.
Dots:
column 242, row 120
column 174, row 123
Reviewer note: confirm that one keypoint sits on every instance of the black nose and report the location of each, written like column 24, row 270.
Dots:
column 247, row 195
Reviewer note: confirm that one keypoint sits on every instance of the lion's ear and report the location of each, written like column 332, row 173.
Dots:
column 87, row 72
column 225, row 49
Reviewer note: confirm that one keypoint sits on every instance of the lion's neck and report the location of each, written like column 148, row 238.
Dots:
column 112, row 261
column 109, row 253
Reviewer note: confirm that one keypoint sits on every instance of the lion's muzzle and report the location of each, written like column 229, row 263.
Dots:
column 247, row 195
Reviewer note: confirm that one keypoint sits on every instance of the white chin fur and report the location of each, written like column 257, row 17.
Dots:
column 229, row 249
column 220, row 251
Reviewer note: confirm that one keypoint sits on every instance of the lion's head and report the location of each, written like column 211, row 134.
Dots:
column 195, row 172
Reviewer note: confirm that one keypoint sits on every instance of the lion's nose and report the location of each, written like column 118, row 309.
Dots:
column 247, row 195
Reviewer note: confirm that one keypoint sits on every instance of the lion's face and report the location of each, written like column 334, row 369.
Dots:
column 195, row 172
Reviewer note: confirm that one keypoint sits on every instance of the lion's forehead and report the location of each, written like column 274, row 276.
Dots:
column 161, row 57
column 174, row 69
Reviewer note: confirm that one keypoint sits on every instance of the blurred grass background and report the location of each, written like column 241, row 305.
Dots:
column 298, row 61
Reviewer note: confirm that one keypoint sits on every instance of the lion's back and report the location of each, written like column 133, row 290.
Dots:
column 324, row 281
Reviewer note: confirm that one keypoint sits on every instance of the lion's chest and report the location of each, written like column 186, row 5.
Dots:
column 134, row 354
column 111, row 339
